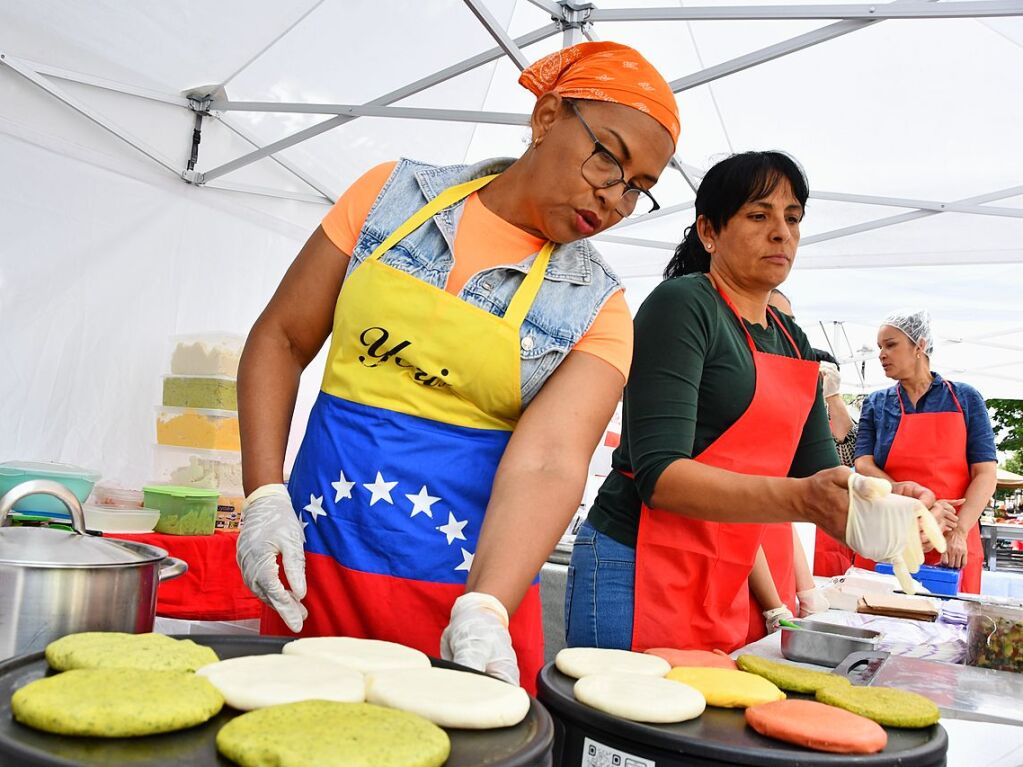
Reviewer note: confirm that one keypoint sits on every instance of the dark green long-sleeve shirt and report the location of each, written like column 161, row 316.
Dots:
column 692, row 377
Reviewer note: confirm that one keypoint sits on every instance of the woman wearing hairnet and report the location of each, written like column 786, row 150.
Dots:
column 932, row 431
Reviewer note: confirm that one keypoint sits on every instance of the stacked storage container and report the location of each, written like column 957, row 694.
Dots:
column 197, row 427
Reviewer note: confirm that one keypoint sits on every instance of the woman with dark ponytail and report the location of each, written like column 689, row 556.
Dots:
column 724, row 432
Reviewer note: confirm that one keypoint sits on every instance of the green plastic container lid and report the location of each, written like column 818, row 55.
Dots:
column 180, row 491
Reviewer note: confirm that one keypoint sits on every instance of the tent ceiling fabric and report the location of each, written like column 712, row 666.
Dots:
column 887, row 116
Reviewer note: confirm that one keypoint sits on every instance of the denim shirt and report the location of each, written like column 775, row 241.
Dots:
column 575, row 288
column 881, row 415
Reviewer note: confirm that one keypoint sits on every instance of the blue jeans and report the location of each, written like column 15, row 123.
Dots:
column 599, row 593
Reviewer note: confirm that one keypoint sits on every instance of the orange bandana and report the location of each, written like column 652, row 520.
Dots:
column 605, row 72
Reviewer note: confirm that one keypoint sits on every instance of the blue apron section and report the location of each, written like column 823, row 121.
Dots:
column 354, row 474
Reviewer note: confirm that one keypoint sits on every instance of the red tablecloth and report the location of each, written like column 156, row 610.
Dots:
column 212, row 589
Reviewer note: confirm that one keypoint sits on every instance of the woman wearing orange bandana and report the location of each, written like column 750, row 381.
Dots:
column 478, row 348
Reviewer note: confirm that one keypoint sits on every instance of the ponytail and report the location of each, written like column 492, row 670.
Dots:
column 690, row 256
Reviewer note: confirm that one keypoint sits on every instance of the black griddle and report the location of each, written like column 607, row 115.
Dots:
column 719, row 736
column 526, row 744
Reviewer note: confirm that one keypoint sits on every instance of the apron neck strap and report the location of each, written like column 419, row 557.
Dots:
column 955, row 399
column 523, row 298
column 445, row 199
column 530, row 286
column 742, row 322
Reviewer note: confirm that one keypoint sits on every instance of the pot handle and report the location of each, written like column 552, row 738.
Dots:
column 44, row 487
column 172, row 567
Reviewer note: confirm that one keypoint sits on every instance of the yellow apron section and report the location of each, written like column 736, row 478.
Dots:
column 403, row 345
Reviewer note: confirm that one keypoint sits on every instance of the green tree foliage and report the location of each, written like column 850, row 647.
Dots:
column 1007, row 421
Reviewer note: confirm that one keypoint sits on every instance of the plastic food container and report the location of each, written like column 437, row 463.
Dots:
column 229, row 512
column 112, row 497
column 76, row 479
column 207, row 354
column 995, row 637
column 210, row 392
column 937, row 580
column 213, row 469
column 192, row 427
column 825, row 644
column 111, row 520
column 183, row 510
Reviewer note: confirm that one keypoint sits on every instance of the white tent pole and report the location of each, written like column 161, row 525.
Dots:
column 851, row 261
column 893, row 260
column 90, row 114
column 264, row 191
column 671, row 209
column 775, row 51
column 365, row 110
column 323, row 189
column 493, row 26
column 912, row 216
column 642, row 243
column 388, row 98
column 271, row 44
column 878, row 11
column 576, row 22
column 900, row 202
column 109, row 85
column 554, row 9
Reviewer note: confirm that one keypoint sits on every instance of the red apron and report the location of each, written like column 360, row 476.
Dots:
column 930, row 449
column 780, row 553
column 830, row 557
column 691, row 575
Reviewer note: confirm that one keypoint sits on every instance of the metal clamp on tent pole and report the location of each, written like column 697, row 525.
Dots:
column 574, row 21
column 200, row 101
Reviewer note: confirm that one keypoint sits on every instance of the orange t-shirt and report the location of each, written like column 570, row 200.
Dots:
column 483, row 240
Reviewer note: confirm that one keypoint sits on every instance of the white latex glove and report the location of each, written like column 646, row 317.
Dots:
column 773, row 618
column 478, row 637
column 811, row 601
column 831, row 378
column 885, row 527
column 271, row 527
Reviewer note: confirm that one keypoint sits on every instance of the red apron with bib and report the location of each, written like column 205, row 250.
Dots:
column 830, row 557
column 780, row 553
column 930, row 449
column 691, row 587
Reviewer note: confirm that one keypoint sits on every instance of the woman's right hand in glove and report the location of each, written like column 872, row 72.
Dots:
column 271, row 528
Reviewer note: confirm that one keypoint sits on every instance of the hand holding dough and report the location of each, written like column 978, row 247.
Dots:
column 885, row 526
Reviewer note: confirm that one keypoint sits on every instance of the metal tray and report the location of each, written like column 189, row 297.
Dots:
column 528, row 743
column 825, row 644
column 719, row 736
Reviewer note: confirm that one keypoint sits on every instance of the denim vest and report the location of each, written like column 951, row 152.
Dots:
column 575, row 287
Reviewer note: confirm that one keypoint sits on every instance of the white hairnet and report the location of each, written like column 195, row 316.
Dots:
column 916, row 324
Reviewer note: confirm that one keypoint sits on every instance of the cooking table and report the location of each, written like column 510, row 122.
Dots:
column 970, row 743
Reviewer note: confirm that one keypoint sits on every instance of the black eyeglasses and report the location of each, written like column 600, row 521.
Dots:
column 603, row 171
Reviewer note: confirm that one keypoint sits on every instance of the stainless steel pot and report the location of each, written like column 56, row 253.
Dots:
column 54, row 582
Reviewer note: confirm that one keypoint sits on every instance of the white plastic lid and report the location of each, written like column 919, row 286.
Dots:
column 230, row 379
column 48, row 469
column 168, row 410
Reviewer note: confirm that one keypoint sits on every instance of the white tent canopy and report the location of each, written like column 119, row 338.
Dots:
column 905, row 115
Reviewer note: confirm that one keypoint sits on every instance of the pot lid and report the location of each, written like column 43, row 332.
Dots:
column 47, row 469
column 30, row 546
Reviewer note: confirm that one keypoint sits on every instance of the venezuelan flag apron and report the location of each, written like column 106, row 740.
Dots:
column 419, row 399
column 691, row 575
